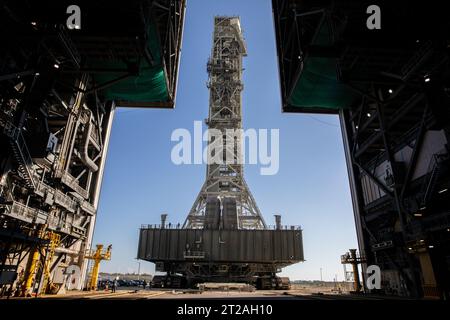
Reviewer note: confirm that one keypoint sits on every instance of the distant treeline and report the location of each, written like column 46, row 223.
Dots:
column 126, row 276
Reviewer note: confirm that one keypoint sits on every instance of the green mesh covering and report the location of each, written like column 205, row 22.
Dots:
column 318, row 86
column 149, row 86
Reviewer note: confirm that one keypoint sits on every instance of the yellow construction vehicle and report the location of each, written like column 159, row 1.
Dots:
column 97, row 256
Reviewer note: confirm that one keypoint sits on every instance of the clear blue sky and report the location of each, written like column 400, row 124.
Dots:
column 311, row 188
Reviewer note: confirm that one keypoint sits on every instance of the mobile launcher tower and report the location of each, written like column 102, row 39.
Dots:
column 224, row 237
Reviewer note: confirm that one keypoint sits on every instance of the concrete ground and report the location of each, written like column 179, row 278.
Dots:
column 140, row 294
column 297, row 292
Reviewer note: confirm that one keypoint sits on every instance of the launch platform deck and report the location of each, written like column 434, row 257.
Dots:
column 281, row 247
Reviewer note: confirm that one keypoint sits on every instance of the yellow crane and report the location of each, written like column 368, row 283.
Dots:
column 354, row 259
column 97, row 256
column 41, row 258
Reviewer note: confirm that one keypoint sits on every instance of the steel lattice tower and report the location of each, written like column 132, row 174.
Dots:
column 225, row 112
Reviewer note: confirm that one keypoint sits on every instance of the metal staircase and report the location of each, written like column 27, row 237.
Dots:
column 21, row 154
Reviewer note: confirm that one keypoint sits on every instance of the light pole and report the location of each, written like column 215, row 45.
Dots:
column 139, row 269
column 321, row 275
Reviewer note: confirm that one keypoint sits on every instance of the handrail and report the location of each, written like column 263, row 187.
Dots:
column 179, row 226
column 16, row 135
